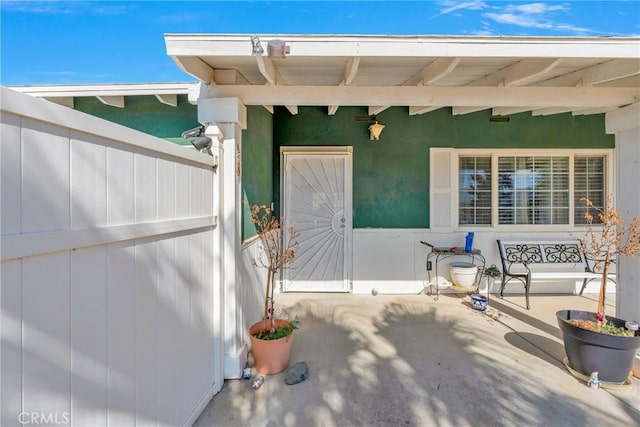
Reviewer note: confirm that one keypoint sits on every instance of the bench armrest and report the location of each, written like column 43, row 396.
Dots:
column 524, row 264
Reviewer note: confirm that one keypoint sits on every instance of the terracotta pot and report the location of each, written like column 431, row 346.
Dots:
column 271, row 356
column 587, row 351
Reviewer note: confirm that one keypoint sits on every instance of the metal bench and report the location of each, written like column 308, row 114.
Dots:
column 518, row 258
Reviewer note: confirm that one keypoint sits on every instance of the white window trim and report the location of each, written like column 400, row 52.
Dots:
column 495, row 153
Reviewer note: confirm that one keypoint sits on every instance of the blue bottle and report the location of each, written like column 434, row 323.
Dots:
column 468, row 245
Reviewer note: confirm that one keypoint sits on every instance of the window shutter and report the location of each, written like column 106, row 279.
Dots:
column 442, row 212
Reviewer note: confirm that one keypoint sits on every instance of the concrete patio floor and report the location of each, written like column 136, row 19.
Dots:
column 411, row 361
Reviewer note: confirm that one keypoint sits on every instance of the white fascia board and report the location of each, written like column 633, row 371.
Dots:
column 415, row 46
column 502, row 96
column 105, row 90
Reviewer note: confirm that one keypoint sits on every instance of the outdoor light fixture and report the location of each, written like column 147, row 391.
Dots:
column 256, row 47
column 197, row 140
column 375, row 130
column 192, row 133
column 202, row 143
column 277, row 48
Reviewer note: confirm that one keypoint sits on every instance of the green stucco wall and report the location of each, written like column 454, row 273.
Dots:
column 146, row 114
column 391, row 176
column 257, row 164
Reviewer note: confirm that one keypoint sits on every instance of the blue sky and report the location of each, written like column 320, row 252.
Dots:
column 81, row 42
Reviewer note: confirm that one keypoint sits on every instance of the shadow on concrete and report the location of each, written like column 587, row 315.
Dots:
column 395, row 361
column 505, row 309
column 537, row 345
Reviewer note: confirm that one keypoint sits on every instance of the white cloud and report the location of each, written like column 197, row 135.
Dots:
column 452, row 6
column 513, row 19
column 535, row 15
column 534, row 8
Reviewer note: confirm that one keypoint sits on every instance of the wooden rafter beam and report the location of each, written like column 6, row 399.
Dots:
column 168, row 99
column 377, row 109
column 438, row 69
column 588, row 111
column 270, row 72
column 229, row 77
column 416, row 110
column 529, row 69
column 268, row 69
column 293, row 109
column 114, row 101
column 458, row 111
column 350, row 70
column 519, row 73
column 506, row 111
column 550, row 111
column 195, row 67
column 601, row 73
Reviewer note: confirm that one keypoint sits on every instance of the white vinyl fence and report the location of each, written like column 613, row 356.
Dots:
column 109, row 314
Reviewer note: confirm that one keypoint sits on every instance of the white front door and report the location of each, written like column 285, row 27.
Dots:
column 316, row 194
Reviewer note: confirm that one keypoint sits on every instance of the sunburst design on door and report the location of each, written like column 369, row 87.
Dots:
column 315, row 199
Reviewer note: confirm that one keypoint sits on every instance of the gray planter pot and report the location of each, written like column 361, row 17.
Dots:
column 587, row 351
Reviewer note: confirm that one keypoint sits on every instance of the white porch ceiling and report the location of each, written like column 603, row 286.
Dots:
column 506, row 74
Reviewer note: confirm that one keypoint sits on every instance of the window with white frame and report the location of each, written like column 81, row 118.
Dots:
column 474, row 190
column 522, row 188
column 589, row 183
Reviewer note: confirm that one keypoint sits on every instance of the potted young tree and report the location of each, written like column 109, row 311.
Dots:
column 271, row 338
column 595, row 342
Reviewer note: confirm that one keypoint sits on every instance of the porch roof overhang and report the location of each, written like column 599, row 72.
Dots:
column 544, row 75
column 112, row 94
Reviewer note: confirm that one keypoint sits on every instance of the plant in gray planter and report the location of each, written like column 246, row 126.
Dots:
column 271, row 338
column 595, row 342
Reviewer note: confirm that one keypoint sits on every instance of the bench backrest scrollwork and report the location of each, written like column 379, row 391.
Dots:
column 527, row 253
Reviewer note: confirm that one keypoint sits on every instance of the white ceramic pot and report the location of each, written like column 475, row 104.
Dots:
column 463, row 274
